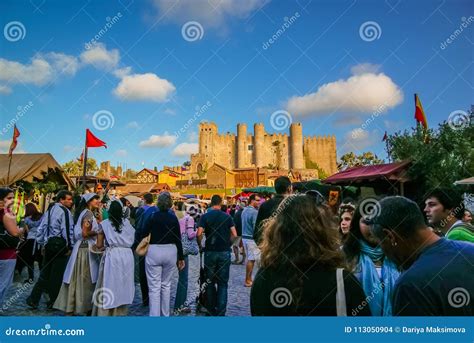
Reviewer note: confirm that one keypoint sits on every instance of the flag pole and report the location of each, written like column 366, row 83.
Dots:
column 9, row 166
column 84, row 173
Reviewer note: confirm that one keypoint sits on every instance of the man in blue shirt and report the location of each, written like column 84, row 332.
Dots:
column 438, row 277
column 249, row 217
column 219, row 229
column 57, row 222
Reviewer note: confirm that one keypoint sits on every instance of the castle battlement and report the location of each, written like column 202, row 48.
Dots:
column 247, row 150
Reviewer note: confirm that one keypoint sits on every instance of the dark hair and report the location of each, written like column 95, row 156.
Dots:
column 450, row 199
column 351, row 247
column 252, row 197
column 61, row 195
column 398, row 214
column 224, row 208
column 164, row 202
column 179, row 205
column 216, row 200
column 116, row 215
column 82, row 206
column 32, row 211
column 282, row 184
column 148, row 197
column 4, row 191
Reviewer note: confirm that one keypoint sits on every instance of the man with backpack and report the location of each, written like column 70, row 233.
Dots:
column 444, row 209
column 56, row 235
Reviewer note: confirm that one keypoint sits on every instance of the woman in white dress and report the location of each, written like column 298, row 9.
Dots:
column 75, row 295
column 115, row 287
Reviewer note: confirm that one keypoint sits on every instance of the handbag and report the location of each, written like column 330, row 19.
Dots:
column 190, row 246
column 7, row 241
column 57, row 244
column 143, row 246
column 340, row 294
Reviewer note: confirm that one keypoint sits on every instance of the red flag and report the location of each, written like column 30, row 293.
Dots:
column 385, row 137
column 93, row 142
column 16, row 134
column 419, row 113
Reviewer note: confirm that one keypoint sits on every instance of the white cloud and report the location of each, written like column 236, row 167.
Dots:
column 42, row 69
column 364, row 93
column 358, row 140
column 365, row 68
column 122, row 72
column 62, row 63
column 38, row 72
column 121, row 153
column 5, row 89
column 193, row 136
column 100, row 57
column 185, row 149
column 133, row 125
column 147, row 87
column 170, row 112
column 155, row 141
column 212, row 13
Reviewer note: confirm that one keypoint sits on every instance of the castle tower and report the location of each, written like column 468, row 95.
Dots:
column 296, row 146
column 241, row 145
column 259, row 143
column 207, row 132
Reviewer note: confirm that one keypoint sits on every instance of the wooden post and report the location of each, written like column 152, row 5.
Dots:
column 84, row 173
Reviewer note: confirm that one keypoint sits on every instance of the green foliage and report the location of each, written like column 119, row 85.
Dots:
column 44, row 187
column 187, row 164
column 440, row 157
column 309, row 164
column 350, row 159
column 75, row 167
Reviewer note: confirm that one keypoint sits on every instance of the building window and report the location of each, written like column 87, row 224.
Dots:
column 250, row 147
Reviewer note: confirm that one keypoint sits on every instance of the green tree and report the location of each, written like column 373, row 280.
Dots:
column 439, row 157
column 75, row 167
column 350, row 159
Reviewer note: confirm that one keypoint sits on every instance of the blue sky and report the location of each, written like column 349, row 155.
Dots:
column 348, row 68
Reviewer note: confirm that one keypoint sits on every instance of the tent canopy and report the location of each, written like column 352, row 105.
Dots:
column 32, row 167
column 390, row 171
column 260, row 189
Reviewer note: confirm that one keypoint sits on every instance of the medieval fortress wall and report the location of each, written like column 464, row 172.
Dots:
column 263, row 150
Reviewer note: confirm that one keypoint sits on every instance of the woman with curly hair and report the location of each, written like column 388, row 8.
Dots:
column 346, row 211
column 376, row 273
column 302, row 265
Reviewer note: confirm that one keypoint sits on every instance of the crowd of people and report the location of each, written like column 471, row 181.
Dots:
column 301, row 256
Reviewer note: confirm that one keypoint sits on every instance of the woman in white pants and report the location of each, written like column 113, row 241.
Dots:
column 164, row 254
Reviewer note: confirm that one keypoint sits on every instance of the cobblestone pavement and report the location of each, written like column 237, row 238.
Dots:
column 238, row 301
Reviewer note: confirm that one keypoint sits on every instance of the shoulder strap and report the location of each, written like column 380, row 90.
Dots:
column 49, row 221
column 66, row 216
column 340, row 294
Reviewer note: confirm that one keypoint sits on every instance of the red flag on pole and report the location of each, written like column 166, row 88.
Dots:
column 93, row 142
column 385, row 137
column 16, row 134
column 81, row 158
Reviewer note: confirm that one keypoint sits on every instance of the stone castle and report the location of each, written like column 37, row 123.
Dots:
column 263, row 150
